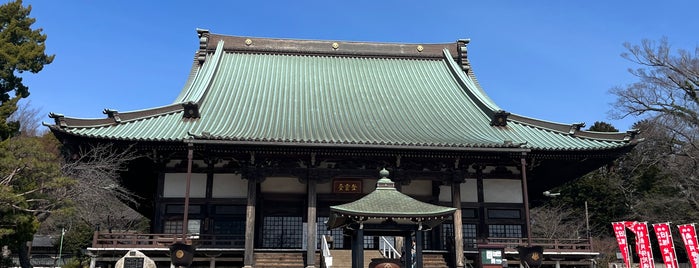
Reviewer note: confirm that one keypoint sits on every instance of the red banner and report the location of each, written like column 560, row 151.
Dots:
column 667, row 248
column 689, row 236
column 620, row 232
column 645, row 255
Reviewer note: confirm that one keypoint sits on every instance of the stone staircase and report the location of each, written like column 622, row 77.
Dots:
column 342, row 258
column 433, row 260
column 279, row 259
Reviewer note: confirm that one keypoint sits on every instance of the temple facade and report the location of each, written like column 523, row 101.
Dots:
column 268, row 134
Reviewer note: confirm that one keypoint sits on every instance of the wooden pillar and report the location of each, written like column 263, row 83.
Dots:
column 418, row 248
column 458, row 225
column 312, row 230
column 358, row 249
column 249, row 258
column 354, row 250
column 185, row 216
column 525, row 193
column 407, row 247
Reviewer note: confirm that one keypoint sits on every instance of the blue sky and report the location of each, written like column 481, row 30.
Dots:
column 552, row 60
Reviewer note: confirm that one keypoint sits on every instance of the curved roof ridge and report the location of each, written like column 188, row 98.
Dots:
column 330, row 47
column 190, row 79
column 115, row 117
column 479, row 96
column 200, row 84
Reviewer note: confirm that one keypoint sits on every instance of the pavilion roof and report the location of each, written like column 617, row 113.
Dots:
column 386, row 204
column 245, row 90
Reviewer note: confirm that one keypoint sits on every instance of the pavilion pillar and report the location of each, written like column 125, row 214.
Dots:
column 249, row 259
column 407, row 250
column 358, row 248
column 418, row 248
column 312, row 230
column 458, row 225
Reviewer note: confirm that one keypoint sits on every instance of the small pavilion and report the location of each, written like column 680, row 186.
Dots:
column 386, row 211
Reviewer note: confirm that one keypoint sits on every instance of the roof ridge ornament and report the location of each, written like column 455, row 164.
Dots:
column 576, row 127
column 114, row 114
column 191, row 110
column 631, row 134
column 463, row 54
column 59, row 119
column 203, row 43
column 384, row 182
column 499, row 118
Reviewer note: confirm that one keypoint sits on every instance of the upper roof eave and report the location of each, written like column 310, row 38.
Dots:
column 203, row 74
column 113, row 117
column 575, row 129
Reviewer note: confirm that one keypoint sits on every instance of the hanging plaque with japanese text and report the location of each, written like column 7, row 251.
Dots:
column 347, row 186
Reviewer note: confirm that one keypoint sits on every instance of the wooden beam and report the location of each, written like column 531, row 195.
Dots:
column 250, row 224
column 311, row 244
column 458, row 225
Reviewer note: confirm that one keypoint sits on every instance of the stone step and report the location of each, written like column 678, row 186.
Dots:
column 279, row 259
column 343, row 259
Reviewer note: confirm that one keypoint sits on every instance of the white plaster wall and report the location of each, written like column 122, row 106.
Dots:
column 229, row 186
column 445, row 193
column 469, row 191
column 282, row 185
column 175, row 185
column 324, row 188
column 502, row 191
column 418, row 188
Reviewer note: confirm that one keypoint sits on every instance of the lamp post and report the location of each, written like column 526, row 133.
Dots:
column 60, row 248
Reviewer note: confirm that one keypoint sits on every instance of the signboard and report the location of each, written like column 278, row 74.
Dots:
column 135, row 259
column 491, row 256
column 347, row 186
column 132, row 262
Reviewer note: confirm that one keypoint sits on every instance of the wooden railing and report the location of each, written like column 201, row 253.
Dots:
column 559, row 245
column 133, row 240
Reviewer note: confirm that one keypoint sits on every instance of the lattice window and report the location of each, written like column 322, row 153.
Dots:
column 175, row 226
column 468, row 232
column 505, row 230
column 172, row 227
column 282, row 232
column 233, row 226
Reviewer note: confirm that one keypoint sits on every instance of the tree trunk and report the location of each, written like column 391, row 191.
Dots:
column 23, row 256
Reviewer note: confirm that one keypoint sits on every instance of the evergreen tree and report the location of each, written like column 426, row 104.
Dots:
column 22, row 49
column 600, row 126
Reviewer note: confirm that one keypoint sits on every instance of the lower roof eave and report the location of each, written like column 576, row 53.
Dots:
column 362, row 146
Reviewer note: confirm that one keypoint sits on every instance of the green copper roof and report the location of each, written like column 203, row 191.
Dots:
column 308, row 93
column 388, row 203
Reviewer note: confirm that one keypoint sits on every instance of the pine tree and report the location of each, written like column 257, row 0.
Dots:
column 22, row 49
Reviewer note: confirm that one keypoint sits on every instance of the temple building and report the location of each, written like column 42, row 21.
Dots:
column 268, row 134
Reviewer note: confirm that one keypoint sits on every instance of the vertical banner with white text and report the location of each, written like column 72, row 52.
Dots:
column 620, row 232
column 645, row 254
column 689, row 237
column 667, row 247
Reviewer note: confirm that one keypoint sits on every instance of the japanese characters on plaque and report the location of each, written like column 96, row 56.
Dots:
column 347, row 186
